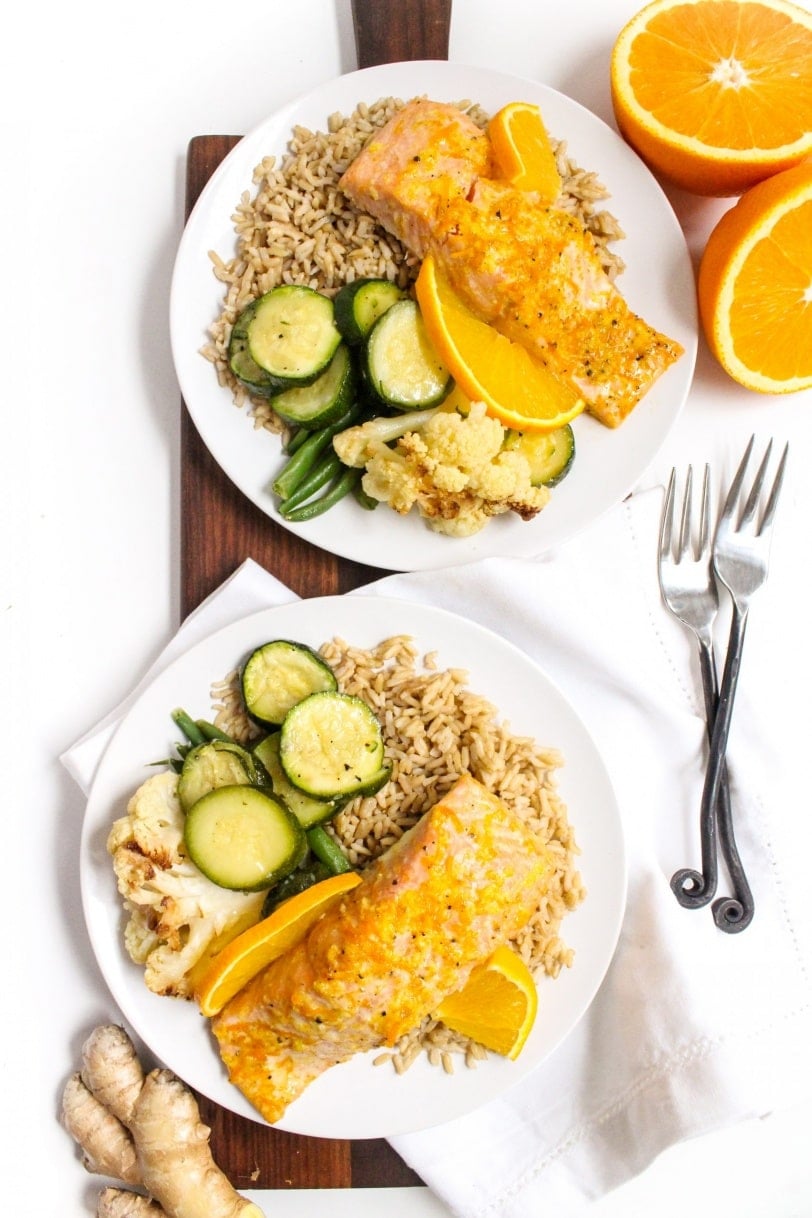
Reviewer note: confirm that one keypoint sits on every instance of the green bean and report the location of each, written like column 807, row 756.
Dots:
column 327, row 469
column 188, row 726
column 306, row 456
column 299, row 881
column 300, row 464
column 295, row 440
column 317, row 507
column 327, row 850
column 363, row 499
column 212, row 732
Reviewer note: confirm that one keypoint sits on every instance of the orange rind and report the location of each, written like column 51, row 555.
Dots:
column 715, row 95
column 497, row 1006
column 517, row 389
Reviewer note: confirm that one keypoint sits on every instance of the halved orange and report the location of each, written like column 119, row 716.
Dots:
column 497, row 1006
column 256, row 948
column 522, row 150
column 489, row 368
column 755, row 285
column 716, row 95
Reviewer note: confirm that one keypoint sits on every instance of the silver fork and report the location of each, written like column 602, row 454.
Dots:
column 689, row 591
column 741, row 552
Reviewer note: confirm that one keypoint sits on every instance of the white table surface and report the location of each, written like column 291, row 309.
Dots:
column 99, row 103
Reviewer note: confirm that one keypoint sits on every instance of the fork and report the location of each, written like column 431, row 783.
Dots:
column 689, row 590
column 741, row 553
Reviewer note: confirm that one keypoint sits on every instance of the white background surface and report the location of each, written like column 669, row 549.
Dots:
column 98, row 106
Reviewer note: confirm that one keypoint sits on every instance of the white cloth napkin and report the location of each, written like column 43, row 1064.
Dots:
column 692, row 1029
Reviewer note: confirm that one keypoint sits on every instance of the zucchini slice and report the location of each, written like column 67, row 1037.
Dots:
column 279, row 674
column 307, row 810
column 331, row 747
column 215, row 764
column 243, row 838
column 327, row 399
column 549, row 454
column 292, row 335
column 402, row 368
column 240, row 360
column 359, row 304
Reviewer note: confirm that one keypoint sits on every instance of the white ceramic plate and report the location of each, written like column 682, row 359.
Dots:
column 383, row 1103
column 658, row 284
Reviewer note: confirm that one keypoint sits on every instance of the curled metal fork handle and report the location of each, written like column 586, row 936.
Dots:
column 729, row 914
column 695, row 889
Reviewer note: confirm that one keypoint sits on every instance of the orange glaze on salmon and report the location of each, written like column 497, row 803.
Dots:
column 530, row 270
column 465, row 879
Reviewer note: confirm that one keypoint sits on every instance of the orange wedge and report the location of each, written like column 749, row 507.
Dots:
column 256, row 948
column 522, row 150
column 489, row 368
column 715, row 94
column 497, row 1006
column 755, row 285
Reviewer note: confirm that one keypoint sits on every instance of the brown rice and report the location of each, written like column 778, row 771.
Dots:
column 298, row 227
column 435, row 729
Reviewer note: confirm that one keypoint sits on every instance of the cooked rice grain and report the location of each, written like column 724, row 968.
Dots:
column 298, row 227
column 435, row 729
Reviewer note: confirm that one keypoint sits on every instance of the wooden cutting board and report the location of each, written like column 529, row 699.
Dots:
column 220, row 528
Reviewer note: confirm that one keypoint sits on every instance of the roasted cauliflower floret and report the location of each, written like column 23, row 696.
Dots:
column 452, row 467
column 177, row 918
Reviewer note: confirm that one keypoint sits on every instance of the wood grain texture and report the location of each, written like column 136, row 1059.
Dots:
column 387, row 32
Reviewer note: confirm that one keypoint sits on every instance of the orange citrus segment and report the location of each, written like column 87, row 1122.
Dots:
column 254, row 949
column 755, row 285
column 489, row 368
column 497, row 1006
column 716, row 95
column 522, row 150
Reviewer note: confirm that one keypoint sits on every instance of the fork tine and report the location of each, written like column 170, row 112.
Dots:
column 667, row 519
column 685, row 518
column 704, row 523
column 772, row 502
column 735, row 486
column 755, row 491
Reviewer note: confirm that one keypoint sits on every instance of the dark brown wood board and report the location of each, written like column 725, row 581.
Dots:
column 220, row 528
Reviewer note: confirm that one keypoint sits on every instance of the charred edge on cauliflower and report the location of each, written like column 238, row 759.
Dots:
column 453, row 468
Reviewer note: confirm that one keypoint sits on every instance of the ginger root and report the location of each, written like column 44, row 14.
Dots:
column 121, row 1203
column 112, row 1071
column 144, row 1131
column 108, row 1149
column 173, row 1153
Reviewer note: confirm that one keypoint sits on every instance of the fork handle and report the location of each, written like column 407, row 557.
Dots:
column 693, row 888
column 694, row 897
column 731, row 914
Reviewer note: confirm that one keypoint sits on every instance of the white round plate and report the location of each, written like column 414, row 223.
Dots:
column 658, row 283
column 383, row 1103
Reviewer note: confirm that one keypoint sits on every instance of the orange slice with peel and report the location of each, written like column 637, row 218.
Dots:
column 755, row 285
column 522, row 150
column 488, row 367
column 252, row 951
column 497, row 1006
column 715, row 94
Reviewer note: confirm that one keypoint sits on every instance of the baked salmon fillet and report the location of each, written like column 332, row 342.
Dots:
column 529, row 269
column 462, row 881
